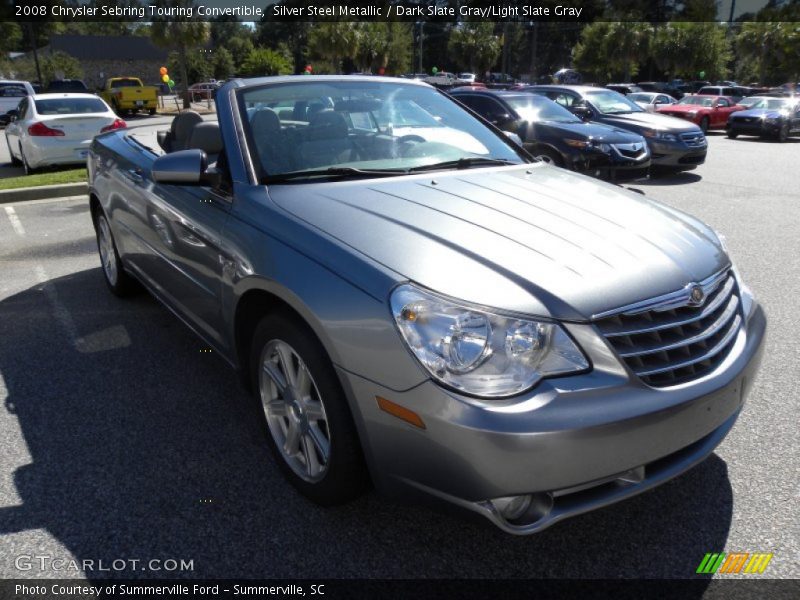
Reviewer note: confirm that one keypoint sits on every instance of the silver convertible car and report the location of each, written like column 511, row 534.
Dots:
column 417, row 304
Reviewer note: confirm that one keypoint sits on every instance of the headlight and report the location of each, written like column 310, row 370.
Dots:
column 659, row 135
column 478, row 352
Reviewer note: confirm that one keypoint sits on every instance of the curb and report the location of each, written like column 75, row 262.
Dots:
column 44, row 192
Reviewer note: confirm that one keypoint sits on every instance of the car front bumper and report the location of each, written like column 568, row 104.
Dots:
column 676, row 154
column 574, row 443
column 757, row 127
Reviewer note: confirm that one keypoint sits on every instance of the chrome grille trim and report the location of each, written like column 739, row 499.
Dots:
column 670, row 339
column 707, row 310
column 710, row 354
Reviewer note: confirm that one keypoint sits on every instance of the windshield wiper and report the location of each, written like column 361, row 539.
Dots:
column 463, row 163
column 333, row 172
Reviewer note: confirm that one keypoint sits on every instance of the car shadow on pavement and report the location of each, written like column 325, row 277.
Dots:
column 670, row 178
column 143, row 446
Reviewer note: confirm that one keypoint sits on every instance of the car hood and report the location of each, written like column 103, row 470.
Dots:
column 597, row 131
column 758, row 112
column 651, row 120
column 682, row 108
column 533, row 239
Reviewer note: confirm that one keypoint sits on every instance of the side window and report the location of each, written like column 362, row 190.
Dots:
column 485, row 107
column 561, row 98
column 663, row 99
column 722, row 102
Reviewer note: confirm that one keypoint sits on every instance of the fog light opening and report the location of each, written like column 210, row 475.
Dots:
column 524, row 509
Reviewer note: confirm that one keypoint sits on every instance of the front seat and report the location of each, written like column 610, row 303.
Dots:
column 179, row 132
column 270, row 142
column 326, row 141
column 206, row 137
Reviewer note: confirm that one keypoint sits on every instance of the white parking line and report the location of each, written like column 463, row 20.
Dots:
column 60, row 311
column 15, row 222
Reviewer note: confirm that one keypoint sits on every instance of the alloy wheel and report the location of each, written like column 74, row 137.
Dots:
column 106, row 247
column 294, row 411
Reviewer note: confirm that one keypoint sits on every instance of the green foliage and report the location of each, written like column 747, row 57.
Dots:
column 264, row 61
column 59, row 65
column 474, row 44
column 240, row 48
column 198, row 67
column 384, row 45
column 769, row 52
column 686, row 49
column 182, row 35
column 222, row 65
column 612, row 50
column 334, row 42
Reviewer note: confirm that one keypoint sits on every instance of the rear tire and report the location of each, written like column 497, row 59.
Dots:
column 119, row 282
column 549, row 156
column 731, row 134
column 704, row 122
column 29, row 170
column 304, row 412
column 14, row 160
column 151, row 111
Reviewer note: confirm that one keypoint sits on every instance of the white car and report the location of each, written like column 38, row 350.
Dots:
column 56, row 129
column 650, row 101
column 466, row 78
column 11, row 92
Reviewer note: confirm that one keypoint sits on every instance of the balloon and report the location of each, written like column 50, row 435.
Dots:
column 163, row 70
column 171, row 83
column 381, row 71
column 434, row 70
column 306, row 72
column 165, row 78
column 702, row 74
column 309, row 69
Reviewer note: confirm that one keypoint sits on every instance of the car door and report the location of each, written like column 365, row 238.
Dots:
column 186, row 223
column 722, row 110
column 489, row 108
column 13, row 129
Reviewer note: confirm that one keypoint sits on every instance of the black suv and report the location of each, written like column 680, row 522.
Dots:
column 553, row 134
column 674, row 144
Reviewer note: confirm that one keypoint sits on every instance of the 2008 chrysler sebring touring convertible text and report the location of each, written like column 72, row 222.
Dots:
column 417, row 304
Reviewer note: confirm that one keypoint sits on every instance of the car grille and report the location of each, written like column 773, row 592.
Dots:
column 671, row 340
column 636, row 150
column 694, row 140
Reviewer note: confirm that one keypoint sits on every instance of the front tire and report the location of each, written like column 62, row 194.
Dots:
column 731, row 134
column 704, row 122
column 549, row 156
column 119, row 282
column 783, row 133
column 304, row 412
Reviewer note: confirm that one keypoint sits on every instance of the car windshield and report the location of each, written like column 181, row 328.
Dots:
column 12, row 90
column 363, row 126
column 535, row 109
column 641, row 97
column 697, row 101
column 125, row 83
column 70, row 106
column 609, row 102
column 771, row 103
column 749, row 102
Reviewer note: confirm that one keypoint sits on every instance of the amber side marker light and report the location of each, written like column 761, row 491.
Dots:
column 401, row 412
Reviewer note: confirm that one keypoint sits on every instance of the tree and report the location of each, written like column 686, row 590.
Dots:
column 608, row 50
column 475, row 44
column 240, row 48
column 59, row 65
column 223, row 64
column 384, row 45
column 334, row 42
column 688, row 49
column 771, row 51
column 264, row 61
column 182, row 35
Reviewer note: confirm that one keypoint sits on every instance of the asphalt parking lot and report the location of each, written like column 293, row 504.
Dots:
column 122, row 440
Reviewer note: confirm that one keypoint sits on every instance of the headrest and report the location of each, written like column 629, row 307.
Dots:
column 182, row 124
column 326, row 125
column 206, row 137
column 265, row 122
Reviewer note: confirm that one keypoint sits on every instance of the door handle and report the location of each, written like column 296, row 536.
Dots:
column 136, row 175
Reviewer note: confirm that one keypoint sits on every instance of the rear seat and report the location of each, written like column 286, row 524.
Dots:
column 206, row 137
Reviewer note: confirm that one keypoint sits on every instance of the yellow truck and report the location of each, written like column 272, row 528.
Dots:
column 129, row 95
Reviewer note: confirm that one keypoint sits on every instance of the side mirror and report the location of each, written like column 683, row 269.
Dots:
column 500, row 119
column 582, row 111
column 185, row 167
column 12, row 115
